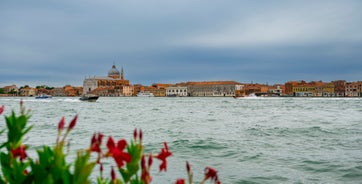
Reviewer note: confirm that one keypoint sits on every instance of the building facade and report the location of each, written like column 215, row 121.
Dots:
column 211, row 88
column 354, row 89
column 339, row 88
column 12, row 89
column 113, row 84
column 176, row 91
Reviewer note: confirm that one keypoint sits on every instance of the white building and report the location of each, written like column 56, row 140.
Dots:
column 176, row 91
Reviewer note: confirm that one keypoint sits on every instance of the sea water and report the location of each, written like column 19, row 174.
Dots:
column 247, row 140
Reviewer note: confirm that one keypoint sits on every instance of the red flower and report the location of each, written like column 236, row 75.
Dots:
column 96, row 142
column 212, row 174
column 180, row 181
column 117, row 151
column 19, row 152
column 163, row 155
column 2, row 109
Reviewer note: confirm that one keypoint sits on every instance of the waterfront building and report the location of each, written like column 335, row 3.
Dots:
column 72, row 91
column 289, row 87
column 11, row 90
column 354, row 89
column 339, row 88
column 323, row 89
column 211, row 88
column 276, row 89
column 314, row 88
column 303, row 89
column 158, row 89
column 28, row 91
column 58, row 91
column 112, row 85
column 252, row 89
column 176, row 91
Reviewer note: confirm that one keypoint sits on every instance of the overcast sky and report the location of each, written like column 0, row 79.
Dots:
column 59, row 42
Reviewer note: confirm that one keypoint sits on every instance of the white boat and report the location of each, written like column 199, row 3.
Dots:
column 145, row 94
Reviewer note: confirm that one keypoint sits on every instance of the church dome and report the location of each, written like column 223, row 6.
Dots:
column 113, row 71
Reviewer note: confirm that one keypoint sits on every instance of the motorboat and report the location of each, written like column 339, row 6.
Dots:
column 43, row 96
column 89, row 98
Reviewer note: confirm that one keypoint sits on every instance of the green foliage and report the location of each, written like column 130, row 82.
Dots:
column 132, row 168
column 82, row 168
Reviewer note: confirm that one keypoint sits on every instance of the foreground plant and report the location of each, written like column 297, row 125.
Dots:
column 51, row 166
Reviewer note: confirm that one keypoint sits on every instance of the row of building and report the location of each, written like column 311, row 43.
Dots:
column 114, row 84
column 67, row 90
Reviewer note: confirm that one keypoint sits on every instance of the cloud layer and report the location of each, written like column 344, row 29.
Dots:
column 60, row 42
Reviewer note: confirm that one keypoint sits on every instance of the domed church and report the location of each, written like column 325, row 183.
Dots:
column 112, row 85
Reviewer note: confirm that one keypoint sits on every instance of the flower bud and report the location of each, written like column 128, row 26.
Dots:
column 188, row 167
column 61, row 124
column 73, row 122
column 113, row 175
column 135, row 134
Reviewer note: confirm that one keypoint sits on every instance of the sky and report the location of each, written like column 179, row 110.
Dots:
column 57, row 43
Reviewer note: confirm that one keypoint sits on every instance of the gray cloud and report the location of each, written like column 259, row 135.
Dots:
column 61, row 42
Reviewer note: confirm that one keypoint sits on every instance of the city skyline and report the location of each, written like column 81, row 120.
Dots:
column 59, row 43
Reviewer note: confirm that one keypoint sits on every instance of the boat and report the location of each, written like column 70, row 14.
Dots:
column 43, row 96
column 145, row 94
column 252, row 95
column 89, row 98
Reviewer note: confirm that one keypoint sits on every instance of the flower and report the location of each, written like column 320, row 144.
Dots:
column 2, row 109
column 163, row 155
column 73, row 122
column 135, row 134
column 117, row 151
column 61, row 124
column 96, row 142
column 145, row 176
column 19, row 152
column 180, row 181
column 211, row 173
column 188, row 167
column 113, row 175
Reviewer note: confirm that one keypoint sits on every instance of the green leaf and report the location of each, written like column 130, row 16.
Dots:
column 82, row 168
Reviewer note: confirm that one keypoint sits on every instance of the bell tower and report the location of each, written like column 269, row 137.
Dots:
column 122, row 74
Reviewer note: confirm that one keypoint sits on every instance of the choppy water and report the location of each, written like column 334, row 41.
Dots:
column 261, row 140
